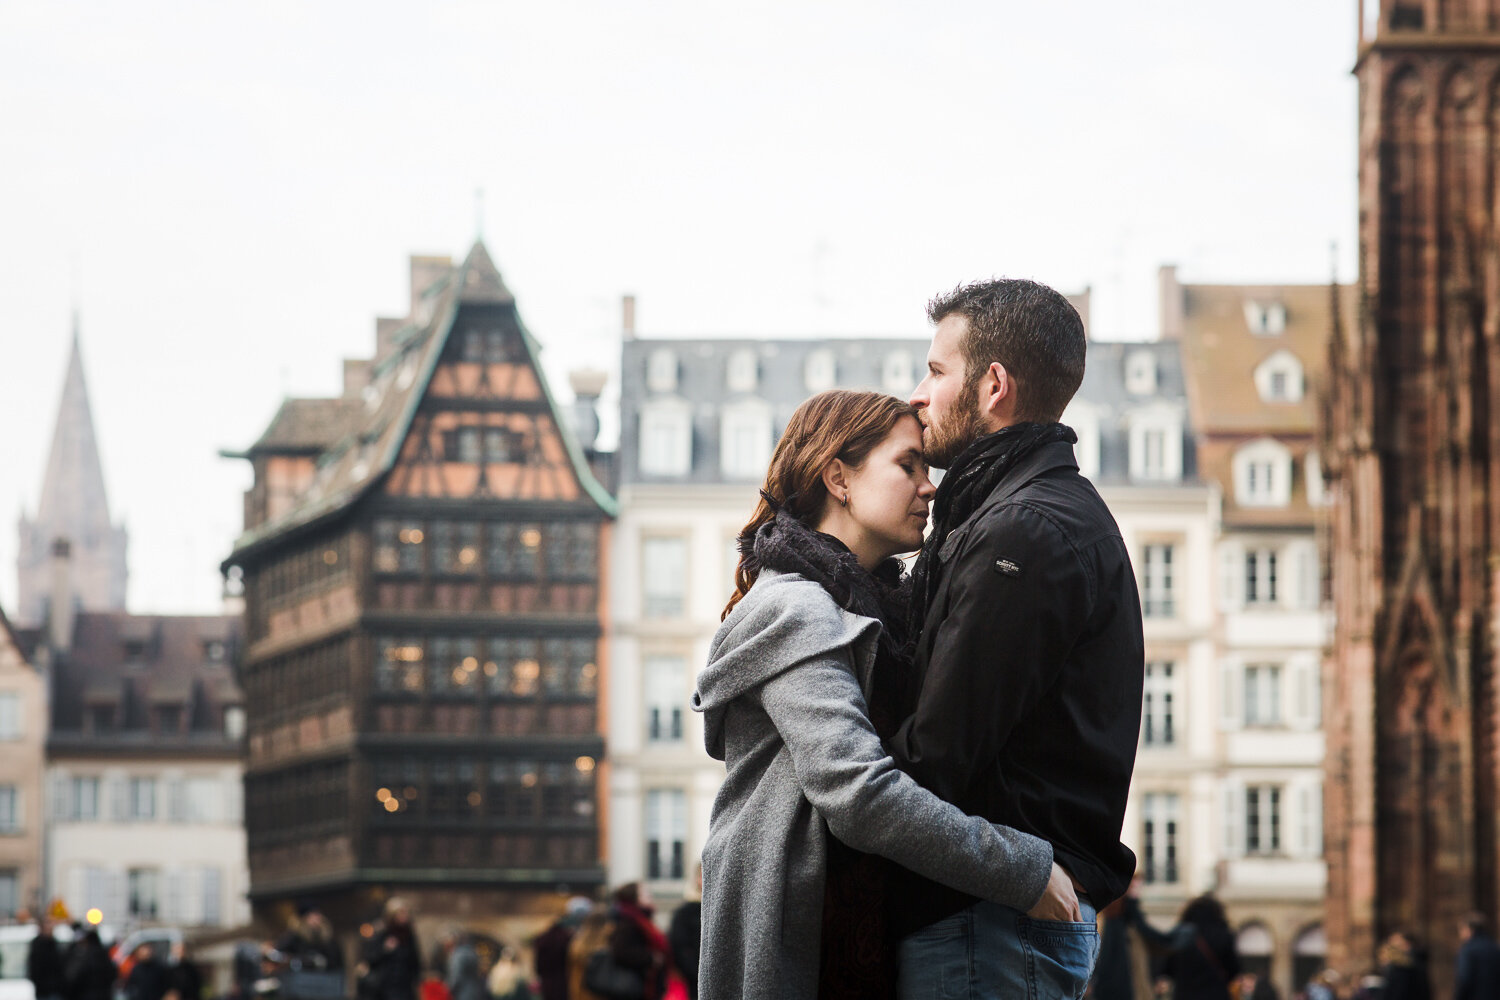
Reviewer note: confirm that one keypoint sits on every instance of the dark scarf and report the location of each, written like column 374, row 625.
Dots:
column 787, row 545
column 968, row 482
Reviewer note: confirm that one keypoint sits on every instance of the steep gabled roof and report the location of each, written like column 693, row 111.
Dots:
column 73, row 503
column 377, row 426
column 307, row 426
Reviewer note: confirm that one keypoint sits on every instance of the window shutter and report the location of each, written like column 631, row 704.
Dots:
column 1302, row 570
column 1234, row 821
column 118, row 896
column 1304, row 693
column 59, row 788
column 1231, row 576
column 119, row 798
column 1231, row 690
column 1315, row 820
column 234, row 803
column 173, row 909
column 176, row 800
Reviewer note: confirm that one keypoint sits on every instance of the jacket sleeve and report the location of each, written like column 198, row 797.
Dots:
column 1463, row 985
column 1019, row 598
column 872, row 806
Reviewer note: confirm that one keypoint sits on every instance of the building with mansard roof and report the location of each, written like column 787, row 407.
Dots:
column 73, row 505
column 1253, row 357
column 424, row 608
column 144, row 770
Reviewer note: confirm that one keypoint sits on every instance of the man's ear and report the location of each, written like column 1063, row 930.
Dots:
column 997, row 392
column 836, row 478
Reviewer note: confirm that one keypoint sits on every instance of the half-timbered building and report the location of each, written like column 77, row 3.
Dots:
column 421, row 569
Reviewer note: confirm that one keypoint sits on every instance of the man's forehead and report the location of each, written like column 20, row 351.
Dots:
column 945, row 339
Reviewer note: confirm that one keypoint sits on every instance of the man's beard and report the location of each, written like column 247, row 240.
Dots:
column 960, row 428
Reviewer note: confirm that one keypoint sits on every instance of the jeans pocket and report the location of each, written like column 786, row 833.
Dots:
column 937, row 962
column 1060, row 956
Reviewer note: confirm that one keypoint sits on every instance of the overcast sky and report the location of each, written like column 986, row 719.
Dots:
column 229, row 192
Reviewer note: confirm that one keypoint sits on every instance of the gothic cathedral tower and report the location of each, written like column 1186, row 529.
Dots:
column 1412, row 442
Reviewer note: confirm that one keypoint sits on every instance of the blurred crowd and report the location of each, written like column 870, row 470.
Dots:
column 1197, row 960
column 84, row 969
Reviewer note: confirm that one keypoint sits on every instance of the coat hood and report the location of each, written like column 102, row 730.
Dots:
column 784, row 620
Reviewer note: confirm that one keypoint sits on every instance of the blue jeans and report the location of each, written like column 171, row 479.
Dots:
column 992, row 952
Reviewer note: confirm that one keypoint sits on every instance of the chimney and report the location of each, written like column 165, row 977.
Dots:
column 1171, row 304
column 386, row 328
column 588, row 385
column 356, row 376
column 60, row 603
column 426, row 271
column 627, row 316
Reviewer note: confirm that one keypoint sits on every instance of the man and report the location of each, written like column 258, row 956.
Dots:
column 1029, row 661
column 550, row 949
column 44, row 963
column 1478, row 974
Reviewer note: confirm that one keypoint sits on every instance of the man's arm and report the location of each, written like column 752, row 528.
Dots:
column 1018, row 601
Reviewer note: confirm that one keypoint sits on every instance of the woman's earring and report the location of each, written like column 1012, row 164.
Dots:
column 844, row 500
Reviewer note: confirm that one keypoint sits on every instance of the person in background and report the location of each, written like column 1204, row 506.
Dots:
column 89, row 973
column 462, row 964
column 1201, row 958
column 392, row 957
column 1403, row 966
column 1123, row 968
column 309, row 942
column 148, row 975
column 550, row 949
column 184, row 978
column 592, row 935
column 44, row 963
column 685, row 935
column 1478, row 972
column 635, row 940
column 508, row 977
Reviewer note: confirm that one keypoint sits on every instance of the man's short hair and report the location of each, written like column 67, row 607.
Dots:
column 1030, row 329
column 1477, row 922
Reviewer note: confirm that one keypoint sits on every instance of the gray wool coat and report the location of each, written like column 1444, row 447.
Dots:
column 784, row 710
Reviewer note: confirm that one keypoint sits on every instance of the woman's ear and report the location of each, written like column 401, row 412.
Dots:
column 836, row 479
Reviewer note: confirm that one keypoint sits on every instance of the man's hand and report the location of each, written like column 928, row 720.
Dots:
column 1059, row 901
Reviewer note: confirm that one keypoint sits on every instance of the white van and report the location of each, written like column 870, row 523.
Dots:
column 15, row 943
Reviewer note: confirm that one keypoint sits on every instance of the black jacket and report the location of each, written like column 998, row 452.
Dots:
column 1029, row 671
column 1478, row 974
column 44, row 966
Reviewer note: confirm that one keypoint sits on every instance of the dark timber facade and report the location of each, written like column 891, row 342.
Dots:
column 1413, row 451
column 423, row 582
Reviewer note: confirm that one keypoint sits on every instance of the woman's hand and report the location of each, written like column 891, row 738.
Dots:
column 1059, row 901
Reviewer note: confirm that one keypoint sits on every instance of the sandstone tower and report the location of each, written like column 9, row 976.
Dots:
column 1412, row 449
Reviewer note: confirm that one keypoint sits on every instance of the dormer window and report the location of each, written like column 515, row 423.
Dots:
column 820, row 370
column 1265, row 319
column 896, row 373
column 745, row 440
column 1279, row 378
column 666, row 438
column 661, row 370
column 743, row 372
column 1140, row 373
column 1156, row 444
column 1263, row 474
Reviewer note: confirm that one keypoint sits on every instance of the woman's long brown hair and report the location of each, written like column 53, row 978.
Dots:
column 839, row 423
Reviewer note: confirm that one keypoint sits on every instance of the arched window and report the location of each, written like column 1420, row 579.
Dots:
column 1309, row 955
column 1140, row 372
column 1255, row 946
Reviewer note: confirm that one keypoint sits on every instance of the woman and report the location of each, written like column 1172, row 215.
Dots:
column 1202, row 960
column 784, row 706
column 392, row 958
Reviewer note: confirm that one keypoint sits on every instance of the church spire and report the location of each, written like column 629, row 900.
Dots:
column 73, row 506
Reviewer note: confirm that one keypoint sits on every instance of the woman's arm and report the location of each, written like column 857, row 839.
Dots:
column 873, row 806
